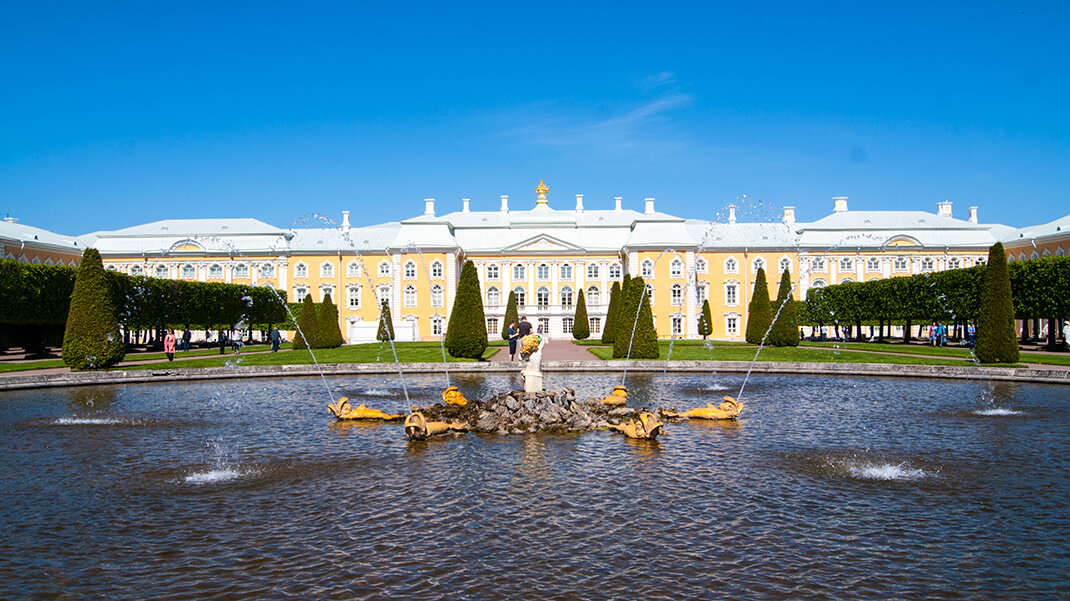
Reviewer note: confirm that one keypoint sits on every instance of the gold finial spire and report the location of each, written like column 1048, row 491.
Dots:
column 541, row 190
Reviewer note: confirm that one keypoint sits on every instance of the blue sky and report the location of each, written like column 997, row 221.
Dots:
column 122, row 114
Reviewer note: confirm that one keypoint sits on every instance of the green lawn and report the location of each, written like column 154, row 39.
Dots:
column 695, row 350
column 408, row 352
column 32, row 365
column 908, row 349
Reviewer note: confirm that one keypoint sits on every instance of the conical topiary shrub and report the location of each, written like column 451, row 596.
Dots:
column 466, row 333
column 759, row 314
column 386, row 323
column 330, row 332
column 785, row 330
column 581, row 327
column 996, row 340
column 307, row 325
column 705, row 321
column 91, row 340
column 610, row 328
column 638, row 339
column 511, row 315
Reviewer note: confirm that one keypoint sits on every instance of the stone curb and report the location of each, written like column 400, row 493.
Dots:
column 1045, row 376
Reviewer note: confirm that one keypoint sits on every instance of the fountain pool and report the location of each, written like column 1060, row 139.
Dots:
column 826, row 488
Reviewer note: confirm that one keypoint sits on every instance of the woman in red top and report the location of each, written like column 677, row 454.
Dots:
column 169, row 345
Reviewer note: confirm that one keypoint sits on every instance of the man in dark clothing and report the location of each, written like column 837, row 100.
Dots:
column 186, row 337
column 222, row 342
column 525, row 327
column 276, row 339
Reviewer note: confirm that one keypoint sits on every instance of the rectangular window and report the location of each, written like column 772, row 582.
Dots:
column 566, row 325
column 544, row 325
column 436, row 326
column 354, row 297
column 731, row 325
column 596, row 325
column 677, row 326
column 492, row 325
column 730, row 295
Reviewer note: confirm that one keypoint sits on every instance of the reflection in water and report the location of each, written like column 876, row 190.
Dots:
column 250, row 489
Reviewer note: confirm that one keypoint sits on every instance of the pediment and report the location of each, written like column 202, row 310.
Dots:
column 543, row 244
column 186, row 246
column 902, row 240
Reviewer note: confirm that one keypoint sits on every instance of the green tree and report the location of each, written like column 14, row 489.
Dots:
column 329, row 331
column 610, row 328
column 638, row 336
column 759, row 313
column 705, row 321
column 785, row 330
column 92, row 340
column 307, row 325
column 466, row 333
column 996, row 340
column 511, row 315
column 581, row 326
column 386, row 323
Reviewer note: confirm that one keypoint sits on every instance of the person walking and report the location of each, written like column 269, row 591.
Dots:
column 276, row 339
column 513, row 334
column 186, row 337
column 941, row 334
column 169, row 345
column 971, row 333
column 932, row 334
column 222, row 342
column 524, row 329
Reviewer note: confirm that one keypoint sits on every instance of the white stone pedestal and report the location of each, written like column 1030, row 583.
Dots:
column 532, row 382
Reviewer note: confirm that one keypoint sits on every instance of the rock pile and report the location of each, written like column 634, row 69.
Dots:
column 520, row 412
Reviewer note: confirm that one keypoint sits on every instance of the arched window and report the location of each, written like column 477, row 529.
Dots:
column 592, row 271
column 1021, row 256
column 566, row 297
column 325, row 290
column 847, row 264
column 677, row 295
column 730, row 265
column 326, row 269
column 759, row 263
column 873, row 265
column 384, row 269
column 267, row 270
column 700, row 266
column 493, row 273
column 1034, row 255
column 676, row 268
column 899, row 264
column 542, row 272
column 494, row 297
column 188, row 272
column 1059, row 252
column 614, row 271
column 594, row 296
column 215, row 271
column 520, row 297
column 647, row 269
column 566, row 271
column 353, row 269
column 953, row 263
column 300, row 270
column 785, row 265
column 241, row 270
column 845, row 280
column 518, row 272
column 1047, row 252
column 927, row 264
column 353, row 296
column 300, row 292
column 162, row 271
column 436, row 269
column 817, row 264
column 410, row 270
column 135, row 270
column 437, row 299
column 818, row 283
column 410, row 296
column 542, row 297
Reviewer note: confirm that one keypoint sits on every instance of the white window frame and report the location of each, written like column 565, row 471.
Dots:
column 353, row 296
column 594, row 296
column 521, row 296
column 241, row 270
column 267, row 270
column 676, row 295
column 519, row 272
column 542, row 272
column 566, row 294
column 566, row 324
column 731, row 293
column 646, row 269
column 384, row 269
column 731, row 265
column 592, row 271
column 873, row 265
column 701, row 266
column 493, row 272
column 300, row 269
column 409, row 270
column 615, row 271
column 758, row 263
column 494, row 297
column 353, row 269
column 542, row 297
column 438, row 296
column 436, row 270
column 189, row 272
column 565, row 272
column 409, row 296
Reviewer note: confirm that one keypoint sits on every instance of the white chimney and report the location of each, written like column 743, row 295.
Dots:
column 649, row 205
column 465, row 202
column 429, row 206
column 731, row 214
column 617, row 200
column 973, row 215
column 505, row 203
column 943, row 209
column 579, row 203
column 345, row 221
column 789, row 216
column 839, row 204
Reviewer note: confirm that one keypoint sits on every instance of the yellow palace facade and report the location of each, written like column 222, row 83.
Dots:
column 550, row 256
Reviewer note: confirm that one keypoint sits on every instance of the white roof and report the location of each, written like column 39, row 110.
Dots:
column 224, row 236
column 1060, row 226
column 874, row 229
column 18, row 232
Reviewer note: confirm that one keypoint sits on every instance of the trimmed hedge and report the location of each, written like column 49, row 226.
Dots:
column 785, row 330
column 92, row 339
column 581, row 326
column 466, row 333
column 759, row 312
column 609, row 331
column 996, row 338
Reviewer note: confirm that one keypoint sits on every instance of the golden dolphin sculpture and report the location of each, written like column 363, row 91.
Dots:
column 343, row 410
column 418, row 428
column 730, row 408
column 647, row 426
column 452, row 396
column 618, row 397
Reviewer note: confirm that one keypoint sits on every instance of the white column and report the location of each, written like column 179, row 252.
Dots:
column 395, row 289
column 690, row 295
